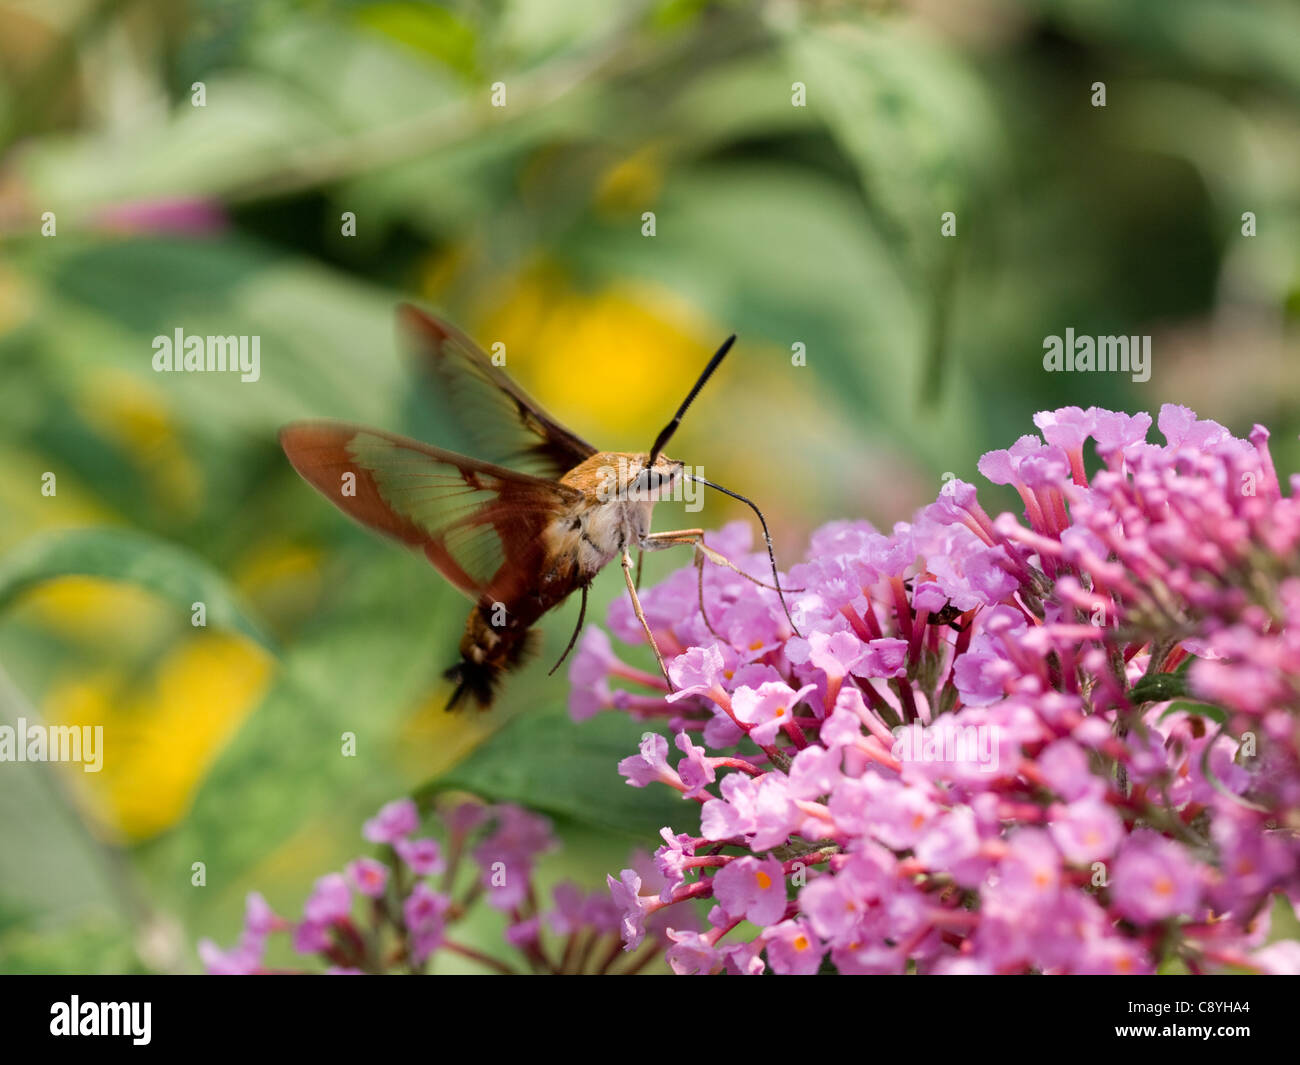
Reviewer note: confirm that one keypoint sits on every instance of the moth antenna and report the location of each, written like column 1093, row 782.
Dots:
column 666, row 433
column 767, row 537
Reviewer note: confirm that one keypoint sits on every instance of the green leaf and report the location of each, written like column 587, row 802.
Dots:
column 1215, row 713
column 1160, row 687
column 50, row 862
column 544, row 761
column 125, row 555
column 424, row 28
column 914, row 119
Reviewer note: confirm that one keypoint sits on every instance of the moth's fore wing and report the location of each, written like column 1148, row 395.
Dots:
column 501, row 420
column 480, row 525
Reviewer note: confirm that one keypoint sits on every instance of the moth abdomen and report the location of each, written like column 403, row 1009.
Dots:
column 487, row 654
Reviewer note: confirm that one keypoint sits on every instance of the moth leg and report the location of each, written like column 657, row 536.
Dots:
column 640, row 616
column 640, row 557
column 658, row 541
column 582, row 616
column 699, row 569
column 695, row 537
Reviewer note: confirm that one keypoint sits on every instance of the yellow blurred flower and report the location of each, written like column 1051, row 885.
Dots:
column 130, row 413
column 91, row 610
column 612, row 363
column 439, row 272
column 282, row 580
column 16, row 299
column 632, row 184
column 27, row 511
column 163, row 734
column 433, row 740
column 268, row 564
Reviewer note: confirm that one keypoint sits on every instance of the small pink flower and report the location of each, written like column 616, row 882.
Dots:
column 753, row 889
column 1086, row 831
column 695, row 770
column 368, row 876
column 692, row 954
column 423, row 856
column 697, row 672
column 399, row 818
column 243, row 959
column 793, row 949
column 423, row 913
column 768, row 708
column 330, row 900
column 651, row 765
column 1154, row 879
column 632, row 904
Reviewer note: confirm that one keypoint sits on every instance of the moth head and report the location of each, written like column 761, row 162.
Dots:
column 650, row 482
column 623, row 478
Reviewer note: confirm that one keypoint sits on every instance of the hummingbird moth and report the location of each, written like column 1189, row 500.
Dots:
column 518, row 538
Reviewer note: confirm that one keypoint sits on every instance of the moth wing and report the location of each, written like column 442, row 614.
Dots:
column 482, row 526
column 503, row 422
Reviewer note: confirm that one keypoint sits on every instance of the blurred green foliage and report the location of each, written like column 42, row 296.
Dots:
column 816, row 225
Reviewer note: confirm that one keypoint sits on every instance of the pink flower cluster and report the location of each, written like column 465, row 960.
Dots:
column 396, row 912
column 1068, row 743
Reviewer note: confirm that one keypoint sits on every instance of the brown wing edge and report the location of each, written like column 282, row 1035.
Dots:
column 563, row 448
